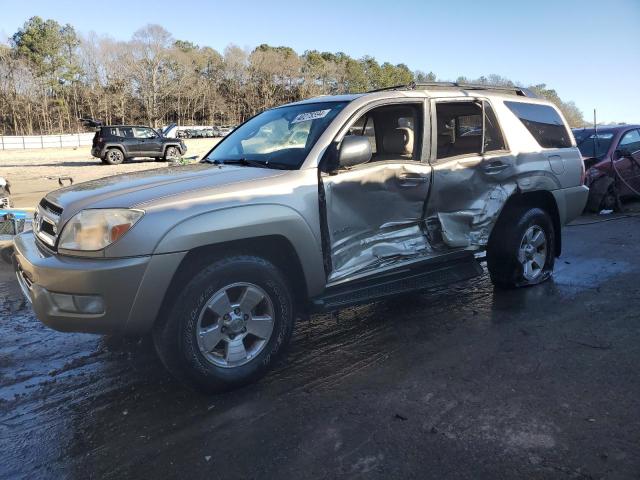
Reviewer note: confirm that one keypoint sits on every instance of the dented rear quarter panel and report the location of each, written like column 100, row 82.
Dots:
column 467, row 198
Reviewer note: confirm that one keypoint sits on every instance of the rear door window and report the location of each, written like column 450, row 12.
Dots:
column 493, row 139
column 460, row 129
column 543, row 122
column 126, row 132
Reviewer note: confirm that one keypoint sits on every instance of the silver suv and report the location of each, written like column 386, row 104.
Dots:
column 311, row 206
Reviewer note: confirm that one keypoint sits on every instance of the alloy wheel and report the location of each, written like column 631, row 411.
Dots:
column 235, row 325
column 532, row 254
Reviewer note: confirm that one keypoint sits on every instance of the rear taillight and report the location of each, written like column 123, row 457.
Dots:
column 583, row 173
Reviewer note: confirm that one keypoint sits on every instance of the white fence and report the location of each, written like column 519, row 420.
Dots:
column 45, row 141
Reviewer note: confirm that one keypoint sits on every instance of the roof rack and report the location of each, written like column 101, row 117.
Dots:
column 523, row 92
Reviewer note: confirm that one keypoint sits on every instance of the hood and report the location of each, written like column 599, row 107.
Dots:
column 131, row 189
column 170, row 131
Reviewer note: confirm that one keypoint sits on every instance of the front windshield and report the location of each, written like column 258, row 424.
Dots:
column 591, row 144
column 281, row 137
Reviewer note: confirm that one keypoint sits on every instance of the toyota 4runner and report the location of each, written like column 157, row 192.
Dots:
column 311, row 206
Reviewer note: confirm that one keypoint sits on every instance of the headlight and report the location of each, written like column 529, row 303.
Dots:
column 92, row 230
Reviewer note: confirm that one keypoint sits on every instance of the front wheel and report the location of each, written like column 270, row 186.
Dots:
column 228, row 324
column 171, row 152
column 521, row 249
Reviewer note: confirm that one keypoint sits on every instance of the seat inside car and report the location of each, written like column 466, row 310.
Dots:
column 455, row 135
column 397, row 143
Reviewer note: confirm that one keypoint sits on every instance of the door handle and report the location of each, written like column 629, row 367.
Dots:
column 412, row 179
column 495, row 167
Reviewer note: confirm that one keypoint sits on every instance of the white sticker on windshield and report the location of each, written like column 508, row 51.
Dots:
column 303, row 117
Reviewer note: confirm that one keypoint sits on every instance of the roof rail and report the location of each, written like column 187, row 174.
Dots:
column 407, row 86
column 523, row 92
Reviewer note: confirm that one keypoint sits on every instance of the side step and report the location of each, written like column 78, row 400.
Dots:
column 407, row 280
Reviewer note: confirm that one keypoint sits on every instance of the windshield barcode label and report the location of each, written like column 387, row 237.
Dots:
column 303, row 117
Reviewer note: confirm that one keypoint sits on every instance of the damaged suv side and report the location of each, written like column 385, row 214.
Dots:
column 312, row 206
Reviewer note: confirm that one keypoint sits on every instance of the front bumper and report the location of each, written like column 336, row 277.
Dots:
column 131, row 289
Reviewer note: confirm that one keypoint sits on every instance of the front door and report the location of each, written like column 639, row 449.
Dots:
column 626, row 163
column 374, row 211
column 148, row 142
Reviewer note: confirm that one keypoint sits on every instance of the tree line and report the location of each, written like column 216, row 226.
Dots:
column 50, row 76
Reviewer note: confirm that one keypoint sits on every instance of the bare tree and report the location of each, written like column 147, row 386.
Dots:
column 49, row 77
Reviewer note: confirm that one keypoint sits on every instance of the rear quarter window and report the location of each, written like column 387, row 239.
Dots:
column 543, row 122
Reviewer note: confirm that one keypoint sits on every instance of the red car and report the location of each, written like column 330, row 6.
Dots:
column 612, row 161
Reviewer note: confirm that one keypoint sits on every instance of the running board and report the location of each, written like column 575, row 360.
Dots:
column 405, row 281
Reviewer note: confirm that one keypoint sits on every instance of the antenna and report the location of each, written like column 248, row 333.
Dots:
column 595, row 133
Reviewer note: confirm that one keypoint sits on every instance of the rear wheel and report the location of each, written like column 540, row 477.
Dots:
column 228, row 324
column 521, row 249
column 114, row 156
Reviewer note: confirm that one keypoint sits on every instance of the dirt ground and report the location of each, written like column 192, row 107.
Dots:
column 33, row 173
column 465, row 382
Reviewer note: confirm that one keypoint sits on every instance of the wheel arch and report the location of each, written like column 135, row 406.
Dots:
column 172, row 144
column 276, row 232
column 543, row 199
column 269, row 247
column 109, row 146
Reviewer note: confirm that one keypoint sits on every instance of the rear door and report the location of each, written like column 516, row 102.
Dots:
column 128, row 141
column 470, row 159
column 374, row 210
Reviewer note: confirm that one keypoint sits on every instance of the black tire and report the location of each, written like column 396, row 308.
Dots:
column 171, row 152
column 175, row 335
column 505, row 242
column 602, row 197
column 610, row 200
column 114, row 156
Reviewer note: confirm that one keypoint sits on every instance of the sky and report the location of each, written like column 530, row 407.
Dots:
column 589, row 51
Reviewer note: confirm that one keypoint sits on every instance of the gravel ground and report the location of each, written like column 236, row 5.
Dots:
column 464, row 382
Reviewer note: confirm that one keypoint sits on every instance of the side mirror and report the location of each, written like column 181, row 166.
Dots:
column 620, row 153
column 354, row 150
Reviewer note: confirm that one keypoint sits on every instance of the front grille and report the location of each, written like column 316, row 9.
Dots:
column 48, row 228
column 45, row 223
column 51, row 207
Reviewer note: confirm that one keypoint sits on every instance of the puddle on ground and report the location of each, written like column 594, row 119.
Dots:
column 588, row 273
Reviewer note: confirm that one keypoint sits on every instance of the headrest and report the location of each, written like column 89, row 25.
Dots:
column 398, row 141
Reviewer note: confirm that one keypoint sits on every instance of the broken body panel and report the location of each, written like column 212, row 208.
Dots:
column 373, row 221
